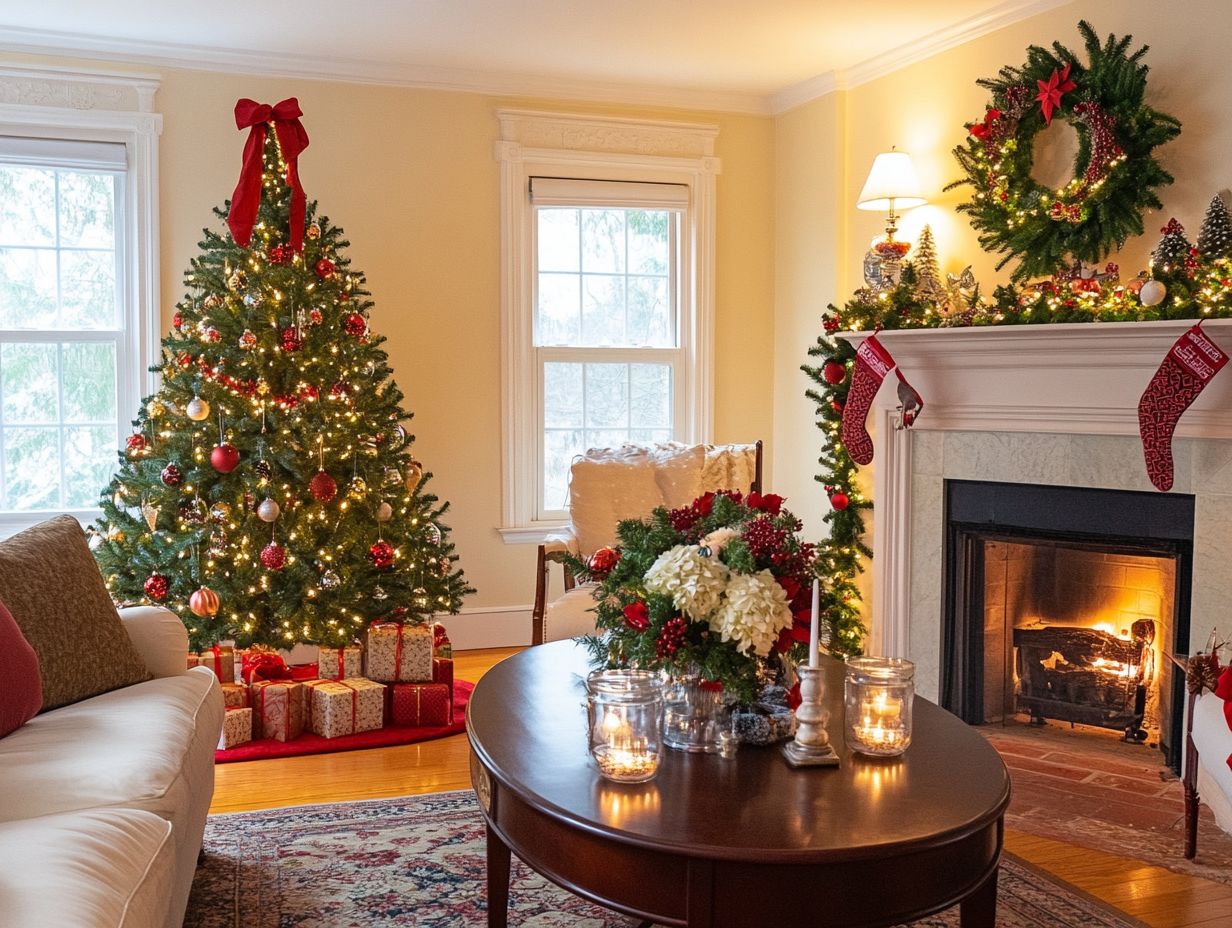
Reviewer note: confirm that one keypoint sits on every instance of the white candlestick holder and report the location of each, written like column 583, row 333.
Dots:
column 811, row 746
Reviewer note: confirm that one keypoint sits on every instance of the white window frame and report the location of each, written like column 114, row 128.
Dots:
column 534, row 143
column 98, row 106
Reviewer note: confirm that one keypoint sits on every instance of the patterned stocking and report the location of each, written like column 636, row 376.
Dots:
column 873, row 362
column 1188, row 367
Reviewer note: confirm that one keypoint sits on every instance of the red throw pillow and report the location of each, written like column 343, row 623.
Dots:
column 21, row 686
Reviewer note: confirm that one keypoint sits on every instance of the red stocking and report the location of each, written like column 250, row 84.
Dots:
column 1188, row 367
column 873, row 362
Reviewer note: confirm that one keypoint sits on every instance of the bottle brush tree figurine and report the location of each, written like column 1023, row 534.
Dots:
column 1215, row 237
column 268, row 492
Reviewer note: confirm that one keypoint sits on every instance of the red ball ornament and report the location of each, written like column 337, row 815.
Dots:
column 831, row 324
column 279, row 254
column 354, row 325
column 204, row 602
column 834, row 372
column 839, row 500
column 340, row 391
column 248, row 340
column 382, row 555
column 315, row 316
column 325, row 268
column 322, row 487
column 836, row 406
column 602, row 562
column 274, row 556
column 156, row 587
column 213, row 335
column 177, row 322
column 291, row 339
column 172, row 476
column 309, row 393
column 225, row 458
column 136, row 444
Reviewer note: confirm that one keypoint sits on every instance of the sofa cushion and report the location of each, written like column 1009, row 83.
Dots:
column 102, row 868
column 127, row 747
column 21, row 689
column 50, row 583
column 678, row 472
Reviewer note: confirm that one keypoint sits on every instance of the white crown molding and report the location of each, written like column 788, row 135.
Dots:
column 310, row 67
column 960, row 33
column 537, row 129
column 81, row 90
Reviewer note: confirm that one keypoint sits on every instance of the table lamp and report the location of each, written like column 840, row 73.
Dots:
column 892, row 184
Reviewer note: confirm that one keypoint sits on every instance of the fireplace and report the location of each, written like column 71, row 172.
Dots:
column 1062, row 604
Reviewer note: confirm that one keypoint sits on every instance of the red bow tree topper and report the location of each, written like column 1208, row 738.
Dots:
column 292, row 139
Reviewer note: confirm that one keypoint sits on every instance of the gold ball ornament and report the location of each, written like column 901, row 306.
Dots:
column 220, row 512
column 384, row 512
column 204, row 603
column 313, row 232
column 414, row 474
column 197, row 409
column 357, row 488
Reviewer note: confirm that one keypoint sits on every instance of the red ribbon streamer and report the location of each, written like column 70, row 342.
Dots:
column 217, row 651
column 293, row 139
column 397, row 647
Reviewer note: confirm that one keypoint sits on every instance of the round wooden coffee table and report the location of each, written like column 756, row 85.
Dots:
column 739, row 843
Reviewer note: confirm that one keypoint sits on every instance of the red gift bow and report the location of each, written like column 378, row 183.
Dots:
column 982, row 130
column 264, row 666
column 1050, row 91
column 293, row 139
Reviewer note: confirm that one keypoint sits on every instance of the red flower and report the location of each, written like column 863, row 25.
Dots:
column 703, row 504
column 791, row 586
column 637, row 616
column 794, row 698
column 1051, row 91
column 770, row 502
column 981, row 130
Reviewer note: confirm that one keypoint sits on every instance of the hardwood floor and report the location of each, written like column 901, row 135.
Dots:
column 1158, row 897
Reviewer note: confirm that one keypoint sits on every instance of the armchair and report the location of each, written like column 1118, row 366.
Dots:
column 607, row 485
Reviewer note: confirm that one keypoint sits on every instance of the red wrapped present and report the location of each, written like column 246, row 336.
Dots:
column 420, row 704
column 258, row 666
column 441, row 646
column 236, row 729
column 442, row 671
column 302, row 673
column 340, row 663
column 344, row 707
column 399, row 653
column 278, row 709
column 221, row 660
column 235, row 695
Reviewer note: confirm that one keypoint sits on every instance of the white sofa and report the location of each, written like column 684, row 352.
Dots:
column 103, row 802
column 1212, row 744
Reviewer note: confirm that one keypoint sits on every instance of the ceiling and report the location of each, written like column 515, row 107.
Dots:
column 719, row 54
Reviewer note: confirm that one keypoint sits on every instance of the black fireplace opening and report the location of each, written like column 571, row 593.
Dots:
column 1062, row 605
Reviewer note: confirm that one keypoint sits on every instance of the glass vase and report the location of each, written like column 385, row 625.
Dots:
column 877, row 697
column 625, row 709
column 694, row 713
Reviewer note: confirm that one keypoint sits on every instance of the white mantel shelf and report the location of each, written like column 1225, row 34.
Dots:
column 1074, row 378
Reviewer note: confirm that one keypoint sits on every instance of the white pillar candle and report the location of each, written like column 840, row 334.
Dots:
column 815, row 627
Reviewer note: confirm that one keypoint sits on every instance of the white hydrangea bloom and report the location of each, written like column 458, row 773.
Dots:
column 694, row 583
column 754, row 612
column 717, row 540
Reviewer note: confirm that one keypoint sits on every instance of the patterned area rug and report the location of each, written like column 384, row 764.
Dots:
column 420, row 861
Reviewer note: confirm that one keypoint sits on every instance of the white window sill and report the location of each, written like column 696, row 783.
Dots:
column 530, row 534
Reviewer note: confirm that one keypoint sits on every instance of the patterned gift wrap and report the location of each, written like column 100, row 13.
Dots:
column 194, row 660
column 399, row 653
column 235, row 695
column 221, row 660
column 236, row 729
column 442, row 672
column 441, row 646
column 345, row 707
column 340, row 663
column 278, row 709
column 421, row 704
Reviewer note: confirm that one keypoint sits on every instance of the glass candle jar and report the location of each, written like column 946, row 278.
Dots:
column 625, row 711
column 878, row 692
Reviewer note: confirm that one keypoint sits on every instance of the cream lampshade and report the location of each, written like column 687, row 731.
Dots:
column 892, row 184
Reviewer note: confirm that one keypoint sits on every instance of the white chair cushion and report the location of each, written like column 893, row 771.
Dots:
column 98, row 868
column 607, row 486
column 678, row 472
column 1213, row 739
column 570, row 615
column 729, row 467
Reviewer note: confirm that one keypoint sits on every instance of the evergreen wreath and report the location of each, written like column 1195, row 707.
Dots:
column 1115, row 174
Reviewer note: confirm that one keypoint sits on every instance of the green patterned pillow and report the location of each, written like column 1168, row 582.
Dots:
column 51, row 585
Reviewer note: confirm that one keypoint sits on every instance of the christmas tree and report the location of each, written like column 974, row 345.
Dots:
column 1173, row 249
column 268, row 492
column 1215, row 238
column 928, row 285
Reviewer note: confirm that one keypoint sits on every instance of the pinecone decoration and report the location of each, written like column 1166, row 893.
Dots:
column 1202, row 673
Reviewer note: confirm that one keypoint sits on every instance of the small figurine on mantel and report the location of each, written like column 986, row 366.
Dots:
column 928, row 284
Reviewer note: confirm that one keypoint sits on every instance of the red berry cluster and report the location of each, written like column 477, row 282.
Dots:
column 671, row 637
column 763, row 538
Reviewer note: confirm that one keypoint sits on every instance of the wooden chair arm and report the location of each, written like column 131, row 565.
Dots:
column 547, row 555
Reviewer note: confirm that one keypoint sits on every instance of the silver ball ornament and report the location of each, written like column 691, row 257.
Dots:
column 268, row 511
column 1152, row 293
column 197, row 409
column 384, row 512
column 329, row 581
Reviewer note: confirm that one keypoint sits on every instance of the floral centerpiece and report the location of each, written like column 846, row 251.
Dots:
column 720, row 588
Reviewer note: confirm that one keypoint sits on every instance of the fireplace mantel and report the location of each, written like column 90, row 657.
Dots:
column 1082, row 379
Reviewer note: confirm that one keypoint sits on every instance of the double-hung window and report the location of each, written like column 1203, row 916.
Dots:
column 607, row 286
column 76, row 306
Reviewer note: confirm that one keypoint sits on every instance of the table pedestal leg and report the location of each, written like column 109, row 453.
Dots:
column 498, row 881
column 979, row 910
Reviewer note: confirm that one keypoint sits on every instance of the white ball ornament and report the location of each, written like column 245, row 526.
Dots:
column 1152, row 293
column 268, row 511
column 384, row 512
column 197, row 409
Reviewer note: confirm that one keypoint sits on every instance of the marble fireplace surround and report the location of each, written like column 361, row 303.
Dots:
column 1045, row 404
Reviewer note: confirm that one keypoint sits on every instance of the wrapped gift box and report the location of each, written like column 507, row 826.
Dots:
column 236, row 729
column 442, row 672
column 441, row 646
column 420, row 704
column 235, row 695
column 278, row 709
column 194, row 660
column 221, row 660
column 345, row 707
column 340, row 663
column 399, row 653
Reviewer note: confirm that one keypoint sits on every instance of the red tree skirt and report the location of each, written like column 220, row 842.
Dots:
column 309, row 743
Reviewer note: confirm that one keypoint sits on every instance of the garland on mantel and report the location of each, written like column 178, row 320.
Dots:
column 1197, row 285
